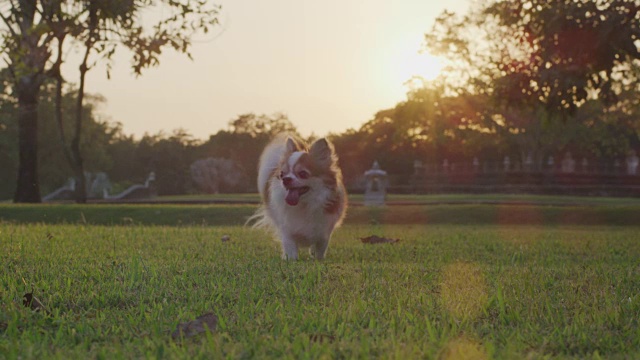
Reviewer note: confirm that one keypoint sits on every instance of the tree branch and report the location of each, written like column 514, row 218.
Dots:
column 58, row 100
column 6, row 22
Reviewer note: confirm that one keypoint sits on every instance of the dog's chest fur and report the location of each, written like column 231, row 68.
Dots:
column 305, row 221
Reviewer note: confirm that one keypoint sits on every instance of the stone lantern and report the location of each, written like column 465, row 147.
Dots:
column 376, row 185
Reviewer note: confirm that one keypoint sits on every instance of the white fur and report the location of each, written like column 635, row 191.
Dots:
column 306, row 224
column 293, row 159
column 269, row 161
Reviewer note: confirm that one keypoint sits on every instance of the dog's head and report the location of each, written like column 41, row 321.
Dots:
column 305, row 171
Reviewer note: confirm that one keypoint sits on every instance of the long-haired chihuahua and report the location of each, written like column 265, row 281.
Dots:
column 303, row 197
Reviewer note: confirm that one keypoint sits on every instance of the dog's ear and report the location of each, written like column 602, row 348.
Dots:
column 322, row 152
column 293, row 145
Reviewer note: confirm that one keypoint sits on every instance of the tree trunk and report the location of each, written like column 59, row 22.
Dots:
column 27, row 185
column 78, row 171
column 78, row 166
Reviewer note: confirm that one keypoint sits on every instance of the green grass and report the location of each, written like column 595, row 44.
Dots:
column 119, row 214
column 509, row 199
column 481, row 281
column 502, row 213
column 428, row 199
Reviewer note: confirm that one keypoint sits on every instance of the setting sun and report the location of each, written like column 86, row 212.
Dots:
column 406, row 67
column 422, row 65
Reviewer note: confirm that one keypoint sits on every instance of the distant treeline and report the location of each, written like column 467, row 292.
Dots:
column 391, row 137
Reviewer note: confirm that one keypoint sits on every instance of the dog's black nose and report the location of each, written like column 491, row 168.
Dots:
column 287, row 180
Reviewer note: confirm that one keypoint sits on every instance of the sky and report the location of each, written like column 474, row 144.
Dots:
column 329, row 65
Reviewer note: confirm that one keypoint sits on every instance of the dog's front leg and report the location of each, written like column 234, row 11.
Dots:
column 289, row 248
column 319, row 248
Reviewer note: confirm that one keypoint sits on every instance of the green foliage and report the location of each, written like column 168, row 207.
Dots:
column 538, row 53
column 537, row 65
column 262, row 125
column 33, row 38
column 570, row 49
column 95, row 137
column 53, row 166
column 443, row 291
column 103, row 26
column 247, row 136
column 170, row 156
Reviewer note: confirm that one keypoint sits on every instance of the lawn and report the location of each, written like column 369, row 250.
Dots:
column 464, row 281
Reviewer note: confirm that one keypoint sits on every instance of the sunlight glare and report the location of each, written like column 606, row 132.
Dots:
column 422, row 65
column 463, row 291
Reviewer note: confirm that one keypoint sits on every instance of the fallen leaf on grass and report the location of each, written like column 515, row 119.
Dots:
column 321, row 338
column 197, row 326
column 32, row 302
column 374, row 239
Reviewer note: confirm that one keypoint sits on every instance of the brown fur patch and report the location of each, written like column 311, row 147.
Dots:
column 299, row 238
column 330, row 176
column 333, row 204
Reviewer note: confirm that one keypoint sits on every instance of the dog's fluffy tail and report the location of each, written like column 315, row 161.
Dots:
column 270, row 161
column 259, row 219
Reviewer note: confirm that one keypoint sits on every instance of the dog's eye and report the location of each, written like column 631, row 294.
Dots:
column 281, row 175
column 303, row 174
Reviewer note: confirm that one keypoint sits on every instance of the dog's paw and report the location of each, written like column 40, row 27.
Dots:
column 289, row 257
column 316, row 254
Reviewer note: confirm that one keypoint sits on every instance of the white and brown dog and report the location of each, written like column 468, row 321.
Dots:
column 303, row 197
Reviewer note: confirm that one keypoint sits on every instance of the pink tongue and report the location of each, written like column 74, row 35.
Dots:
column 293, row 196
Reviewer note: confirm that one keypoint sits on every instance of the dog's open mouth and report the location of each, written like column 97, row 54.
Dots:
column 293, row 194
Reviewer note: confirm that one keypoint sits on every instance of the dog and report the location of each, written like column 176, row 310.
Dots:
column 303, row 196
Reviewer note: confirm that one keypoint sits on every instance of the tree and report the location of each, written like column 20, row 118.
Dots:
column 125, row 168
column 53, row 168
column 569, row 51
column 539, row 61
column 556, row 53
column 262, row 125
column 352, row 159
column 247, row 136
column 35, row 31
column 167, row 155
column 97, row 134
column 26, row 46
column 171, row 159
column 8, row 140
